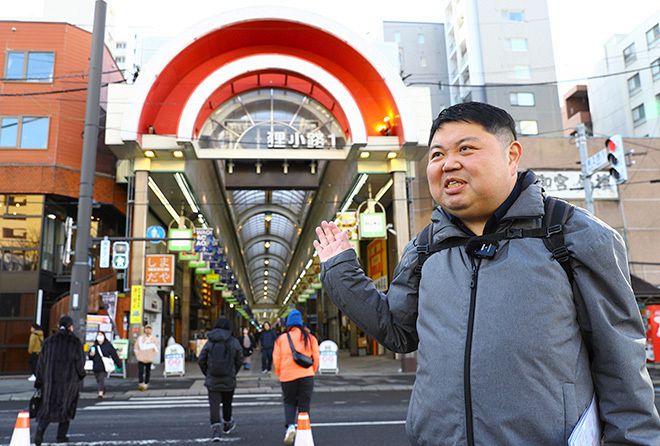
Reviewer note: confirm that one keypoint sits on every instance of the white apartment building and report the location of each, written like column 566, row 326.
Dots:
column 500, row 52
column 628, row 101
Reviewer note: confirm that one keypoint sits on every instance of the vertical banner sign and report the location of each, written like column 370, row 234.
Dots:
column 377, row 266
column 136, row 304
column 347, row 221
column 110, row 303
column 203, row 239
column 104, row 261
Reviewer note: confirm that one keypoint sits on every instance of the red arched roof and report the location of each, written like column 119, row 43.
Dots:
column 177, row 81
column 268, row 79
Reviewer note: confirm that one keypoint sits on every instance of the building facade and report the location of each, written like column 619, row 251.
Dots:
column 628, row 100
column 422, row 57
column 42, row 110
column 501, row 53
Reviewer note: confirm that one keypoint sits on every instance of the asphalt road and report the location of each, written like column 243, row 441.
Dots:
column 338, row 418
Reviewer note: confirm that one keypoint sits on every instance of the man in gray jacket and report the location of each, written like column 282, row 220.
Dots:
column 510, row 350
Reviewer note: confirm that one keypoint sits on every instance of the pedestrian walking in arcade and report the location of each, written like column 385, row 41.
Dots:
column 220, row 360
column 500, row 265
column 104, row 358
column 248, row 344
column 60, row 371
column 297, row 380
column 267, row 342
column 145, row 349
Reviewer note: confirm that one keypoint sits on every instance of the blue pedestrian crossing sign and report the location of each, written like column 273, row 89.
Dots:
column 156, row 232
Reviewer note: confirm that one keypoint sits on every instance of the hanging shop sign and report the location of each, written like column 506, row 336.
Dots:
column 159, row 270
column 188, row 256
column 373, row 225
column 198, row 264
column 183, row 242
column 204, row 239
column 212, row 278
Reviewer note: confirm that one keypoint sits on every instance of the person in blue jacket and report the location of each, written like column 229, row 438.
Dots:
column 267, row 342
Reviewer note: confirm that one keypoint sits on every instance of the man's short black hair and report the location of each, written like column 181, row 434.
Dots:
column 494, row 120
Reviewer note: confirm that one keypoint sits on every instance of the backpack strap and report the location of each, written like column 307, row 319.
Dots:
column 557, row 213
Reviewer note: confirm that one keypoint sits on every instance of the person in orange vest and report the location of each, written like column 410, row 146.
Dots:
column 296, row 374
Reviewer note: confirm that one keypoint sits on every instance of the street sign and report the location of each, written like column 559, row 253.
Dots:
column 136, row 304
column 597, row 161
column 104, row 261
column 155, row 232
column 159, row 270
column 120, row 255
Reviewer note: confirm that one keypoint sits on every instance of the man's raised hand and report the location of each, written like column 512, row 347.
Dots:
column 331, row 240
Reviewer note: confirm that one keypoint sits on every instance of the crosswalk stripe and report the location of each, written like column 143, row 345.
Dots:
column 143, row 405
column 204, row 397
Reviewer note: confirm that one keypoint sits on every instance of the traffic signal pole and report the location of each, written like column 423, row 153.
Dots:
column 581, row 144
column 79, row 291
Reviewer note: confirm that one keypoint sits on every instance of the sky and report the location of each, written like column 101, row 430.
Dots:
column 579, row 28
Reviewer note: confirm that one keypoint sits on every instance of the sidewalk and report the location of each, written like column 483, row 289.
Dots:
column 366, row 373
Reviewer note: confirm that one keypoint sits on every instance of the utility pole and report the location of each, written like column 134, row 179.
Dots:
column 581, row 144
column 80, row 273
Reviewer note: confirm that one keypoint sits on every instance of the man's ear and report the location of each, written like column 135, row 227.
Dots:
column 514, row 153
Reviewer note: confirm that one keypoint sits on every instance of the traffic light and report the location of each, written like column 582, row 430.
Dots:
column 120, row 255
column 616, row 155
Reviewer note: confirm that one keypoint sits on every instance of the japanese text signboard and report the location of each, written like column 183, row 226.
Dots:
column 136, row 304
column 567, row 184
column 159, row 270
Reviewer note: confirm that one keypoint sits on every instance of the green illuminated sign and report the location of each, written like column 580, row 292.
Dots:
column 180, row 245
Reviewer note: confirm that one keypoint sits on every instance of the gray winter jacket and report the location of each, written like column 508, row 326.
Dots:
column 525, row 377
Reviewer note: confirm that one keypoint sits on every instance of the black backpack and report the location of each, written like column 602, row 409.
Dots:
column 557, row 213
column 221, row 362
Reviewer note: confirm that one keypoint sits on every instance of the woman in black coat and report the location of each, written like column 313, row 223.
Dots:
column 220, row 360
column 102, row 348
column 60, row 371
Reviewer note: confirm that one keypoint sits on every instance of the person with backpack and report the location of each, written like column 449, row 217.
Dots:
column 220, row 360
column 519, row 305
column 296, row 375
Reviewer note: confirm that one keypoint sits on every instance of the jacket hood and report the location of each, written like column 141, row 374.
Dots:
column 219, row 335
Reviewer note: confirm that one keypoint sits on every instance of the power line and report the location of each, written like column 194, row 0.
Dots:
column 531, row 84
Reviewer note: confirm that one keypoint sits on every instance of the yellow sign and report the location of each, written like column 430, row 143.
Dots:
column 136, row 304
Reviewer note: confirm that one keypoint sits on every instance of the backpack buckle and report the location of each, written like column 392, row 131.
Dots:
column 514, row 233
column 552, row 230
column 423, row 249
column 561, row 254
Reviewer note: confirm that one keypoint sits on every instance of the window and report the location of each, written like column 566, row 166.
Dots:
column 26, row 132
column 514, row 16
column 629, row 55
column 652, row 36
column 8, row 132
column 120, row 59
column 529, row 127
column 420, row 39
column 522, row 99
column 655, row 69
column 422, row 61
column 517, row 44
column 522, row 72
column 397, row 36
column 638, row 115
column 634, row 85
column 30, row 66
column 121, row 45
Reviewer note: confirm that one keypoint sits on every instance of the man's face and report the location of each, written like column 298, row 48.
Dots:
column 470, row 171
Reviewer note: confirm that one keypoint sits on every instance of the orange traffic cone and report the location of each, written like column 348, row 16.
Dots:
column 21, row 435
column 304, row 432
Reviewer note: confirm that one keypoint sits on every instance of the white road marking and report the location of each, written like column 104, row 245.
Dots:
column 172, row 405
column 357, row 423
